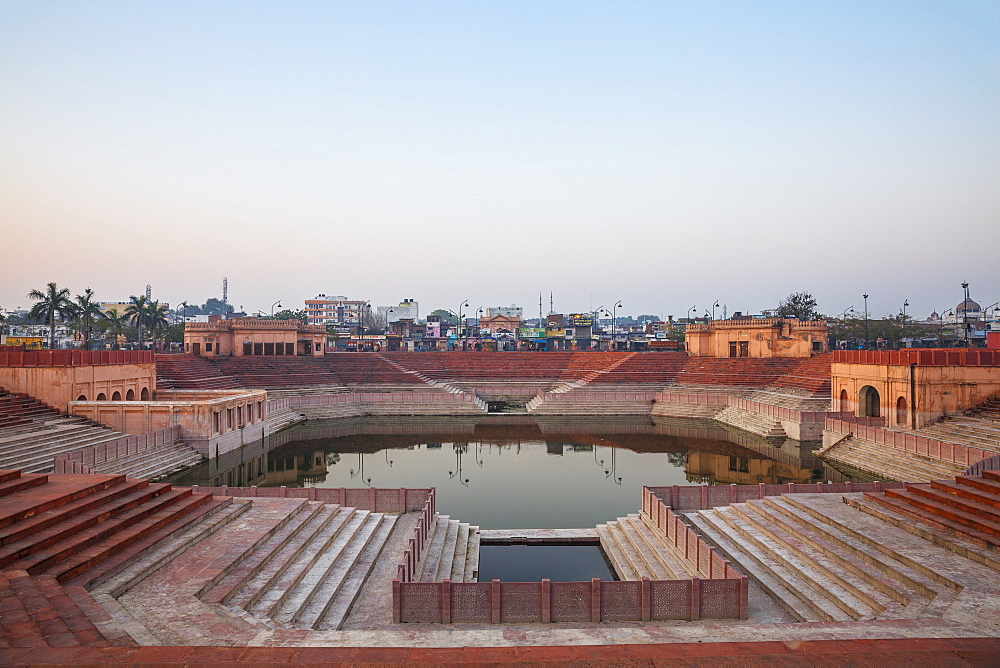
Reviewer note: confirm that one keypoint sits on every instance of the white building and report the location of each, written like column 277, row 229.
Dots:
column 408, row 309
column 511, row 311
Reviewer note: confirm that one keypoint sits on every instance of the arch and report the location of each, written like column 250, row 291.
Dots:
column 869, row 402
column 144, row 395
column 102, row 397
column 130, row 395
column 117, row 396
column 82, row 397
column 901, row 411
column 844, row 402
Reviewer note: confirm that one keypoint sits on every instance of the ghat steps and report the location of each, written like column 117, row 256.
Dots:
column 889, row 463
column 451, row 552
column 637, row 549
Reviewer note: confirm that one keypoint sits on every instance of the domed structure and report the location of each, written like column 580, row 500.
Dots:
column 970, row 307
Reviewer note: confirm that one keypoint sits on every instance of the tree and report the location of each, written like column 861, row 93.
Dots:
column 447, row 316
column 115, row 324
column 289, row 314
column 88, row 313
column 54, row 305
column 215, row 307
column 156, row 318
column 799, row 305
column 136, row 313
column 372, row 322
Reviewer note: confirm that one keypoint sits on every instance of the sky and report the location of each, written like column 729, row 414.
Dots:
column 667, row 154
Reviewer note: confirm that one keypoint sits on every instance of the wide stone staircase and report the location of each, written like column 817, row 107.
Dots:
column 32, row 445
column 637, row 550
column 451, row 552
column 181, row 371
column 978, row 428
column 755, row 423
column 927, row 551
column 888, row 463
column 155, row 463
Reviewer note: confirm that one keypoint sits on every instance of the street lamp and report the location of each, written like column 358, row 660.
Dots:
column 689, row 313
column 278, row 304
column 465, row 303
column 965, row 313
column 614, row 324
column 713, row 309
column 866, row 320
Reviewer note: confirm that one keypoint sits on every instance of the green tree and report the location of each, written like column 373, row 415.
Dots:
column 215, row 307
column 88, row 313
column 115, row 325
column 289, row 314
column 799, row 305
column 136, row 311
column 54, row 306
column 156, row 318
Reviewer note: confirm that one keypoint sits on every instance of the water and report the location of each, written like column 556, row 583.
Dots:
column 532, row 563
column 512, row 472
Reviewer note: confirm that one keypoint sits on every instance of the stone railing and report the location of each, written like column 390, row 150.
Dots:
column 375, row 499
column 64, row 358
column 415, row 548
column 909, row 442
column 921, row 356
column 705, row 497
column 721, row 594
column 85, row 459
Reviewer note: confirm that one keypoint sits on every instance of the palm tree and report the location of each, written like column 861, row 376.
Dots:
column 88, row 312
column 156, row 318
column 136, row 313
column 53, row 306
column 115, row 324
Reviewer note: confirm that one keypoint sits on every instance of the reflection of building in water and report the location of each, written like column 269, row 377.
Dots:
column 709, row 468
column 554, row 449
column 306, row 469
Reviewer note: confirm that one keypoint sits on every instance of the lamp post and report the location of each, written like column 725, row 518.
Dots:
column 906, row 302
column 713, row 309
column 614, row 324
column 465, row 303
column 689, row 313
column 866, row 320
column 387, row 312
column 965, row 313
column 843, row 318
column 278, row 304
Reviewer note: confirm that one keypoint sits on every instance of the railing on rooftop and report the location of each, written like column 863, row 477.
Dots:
column 921, row 356
column 67, row 358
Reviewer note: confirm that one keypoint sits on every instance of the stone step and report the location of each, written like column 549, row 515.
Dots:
column 472, row 556
column 916, row 508
column 310, row 516
column 350, row 588
column 882, row 598
column 669, row 556
column 889, row 464
column 457, row 573
column 109, row 514
column 113, row 541
column 23, row 481
column 988, row 512
column 430, row 560
column 51, row 629
column 322, row 584
column 893, row 578
column 651, row 567
column 991, row 475
column 807, row 577
column 267, row 592
column 610, row 542
column 78, row 623
column 31, row 521
column 742, row 555
column 448, row 550
column 979, row 483
column 147, row 555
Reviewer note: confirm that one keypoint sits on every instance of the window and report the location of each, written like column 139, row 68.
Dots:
column 208, row 347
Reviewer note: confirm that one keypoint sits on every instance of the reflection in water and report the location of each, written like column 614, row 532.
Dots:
column 510, row 471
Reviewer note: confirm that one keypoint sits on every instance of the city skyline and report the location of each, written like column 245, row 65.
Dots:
column 664, row 155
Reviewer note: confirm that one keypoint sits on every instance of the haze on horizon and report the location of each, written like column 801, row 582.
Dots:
column 665, row 154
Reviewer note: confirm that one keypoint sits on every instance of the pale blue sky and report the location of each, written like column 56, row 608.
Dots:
column 666, row 154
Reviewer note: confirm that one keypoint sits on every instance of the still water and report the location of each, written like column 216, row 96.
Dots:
column 531, row 563
column 510, row 472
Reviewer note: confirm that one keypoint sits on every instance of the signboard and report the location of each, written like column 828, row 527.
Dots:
column 582, row 319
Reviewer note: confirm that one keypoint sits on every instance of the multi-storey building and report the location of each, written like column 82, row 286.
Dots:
column 335, row 310
column 408, row 309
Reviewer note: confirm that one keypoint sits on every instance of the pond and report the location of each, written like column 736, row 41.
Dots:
column 509, row 472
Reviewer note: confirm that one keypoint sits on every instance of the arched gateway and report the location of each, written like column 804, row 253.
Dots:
column 869, row 402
